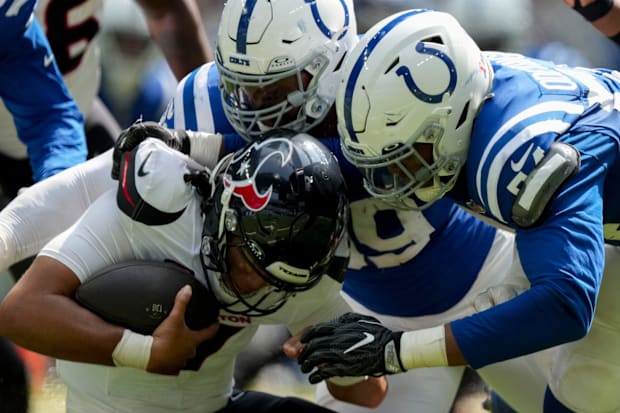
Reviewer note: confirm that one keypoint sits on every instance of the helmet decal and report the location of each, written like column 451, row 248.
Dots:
column 319, row 21
column 413, row 87
column 244, row 22
column 361, row 62
column 246, row 188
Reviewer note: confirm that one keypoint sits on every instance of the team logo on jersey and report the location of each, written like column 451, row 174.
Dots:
column 244, row 185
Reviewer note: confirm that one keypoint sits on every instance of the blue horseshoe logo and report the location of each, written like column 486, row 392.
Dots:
column 319, row 21
column 413, row 87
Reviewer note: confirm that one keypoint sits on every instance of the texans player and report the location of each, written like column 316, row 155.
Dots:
column 523, row 142
column 265, row 232
column 398, row 270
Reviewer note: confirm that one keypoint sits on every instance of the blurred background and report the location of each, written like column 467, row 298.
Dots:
column 136, row 82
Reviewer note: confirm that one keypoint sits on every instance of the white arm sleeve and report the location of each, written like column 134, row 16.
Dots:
column 47, row 208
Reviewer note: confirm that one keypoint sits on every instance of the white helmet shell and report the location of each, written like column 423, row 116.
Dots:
column 415, row 77
column 261, row 42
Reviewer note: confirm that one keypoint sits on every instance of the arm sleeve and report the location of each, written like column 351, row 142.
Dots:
column 563, row 260
column 47, row 208
column 46, row 117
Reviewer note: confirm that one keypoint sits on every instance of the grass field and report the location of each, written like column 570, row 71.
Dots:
column 276, row 379
column 49, row 397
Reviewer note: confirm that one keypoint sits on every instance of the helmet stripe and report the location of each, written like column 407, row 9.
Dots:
column 319, row 21
column 361, row 62
column 242, row 28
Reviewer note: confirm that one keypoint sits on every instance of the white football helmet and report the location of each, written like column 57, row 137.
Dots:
column 279, row 61
column 416, row 77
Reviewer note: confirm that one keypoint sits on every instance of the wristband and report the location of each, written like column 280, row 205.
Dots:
column 594, row 10
column 133, row 350
column 346, row 381
column 205, row 148
column 424, row 348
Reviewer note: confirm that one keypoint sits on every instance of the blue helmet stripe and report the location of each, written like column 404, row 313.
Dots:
column 319, row 21
column 361, row 62
column 244, row 23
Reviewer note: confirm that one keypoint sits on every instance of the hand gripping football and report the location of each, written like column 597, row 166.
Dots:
column 139, row 294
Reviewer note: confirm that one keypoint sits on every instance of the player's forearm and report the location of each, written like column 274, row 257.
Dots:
column 609, row 24
column 177, row 29
column 519, row 327
column 603, row 14
column 50, row 322
column 368, row 392
column 40, row 212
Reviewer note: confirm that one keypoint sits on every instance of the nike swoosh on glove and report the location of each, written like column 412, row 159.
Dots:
column 351, row 345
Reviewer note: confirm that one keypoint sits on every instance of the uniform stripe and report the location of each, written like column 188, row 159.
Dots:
column 202, row 99
column 543, row 108
column 503, row 156
column 188, row 102
column 221, row 123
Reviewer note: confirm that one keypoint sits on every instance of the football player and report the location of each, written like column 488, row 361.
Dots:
column 47, row 119
column 526, row 144
column 265, row 232
column 282, row 71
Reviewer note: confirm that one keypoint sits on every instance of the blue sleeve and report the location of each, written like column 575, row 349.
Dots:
column 46, row 117
column 563, row 259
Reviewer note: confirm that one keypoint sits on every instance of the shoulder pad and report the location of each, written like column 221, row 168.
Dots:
column 559, row 163
column 152, row 189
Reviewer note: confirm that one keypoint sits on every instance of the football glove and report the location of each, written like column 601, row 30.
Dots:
column 351, row 345
column 138, row 132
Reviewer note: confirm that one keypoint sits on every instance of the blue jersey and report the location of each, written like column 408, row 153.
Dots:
column 46, row 117
column 399, row 258
column 534, row 104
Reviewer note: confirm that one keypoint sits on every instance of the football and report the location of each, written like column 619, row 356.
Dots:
column 139, row 295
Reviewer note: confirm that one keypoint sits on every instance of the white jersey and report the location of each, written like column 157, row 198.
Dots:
column 104, row 235
column 72, row 29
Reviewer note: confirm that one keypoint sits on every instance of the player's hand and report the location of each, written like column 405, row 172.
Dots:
column 351, row 345
column 138, row 132
column 293, row 346
column 174, row 344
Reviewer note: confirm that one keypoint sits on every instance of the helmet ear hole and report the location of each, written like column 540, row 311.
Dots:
column 463, row 116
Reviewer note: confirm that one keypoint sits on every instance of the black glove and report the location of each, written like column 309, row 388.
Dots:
column 200, row 180
column 351, row 345
column 138, row 132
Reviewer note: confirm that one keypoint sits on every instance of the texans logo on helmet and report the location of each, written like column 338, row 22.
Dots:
column 246, row 188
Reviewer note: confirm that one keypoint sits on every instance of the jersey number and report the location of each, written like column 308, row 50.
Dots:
column 65, row 38
column 382, row 251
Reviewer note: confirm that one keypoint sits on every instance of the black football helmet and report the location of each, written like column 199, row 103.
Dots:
column 281, row 201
